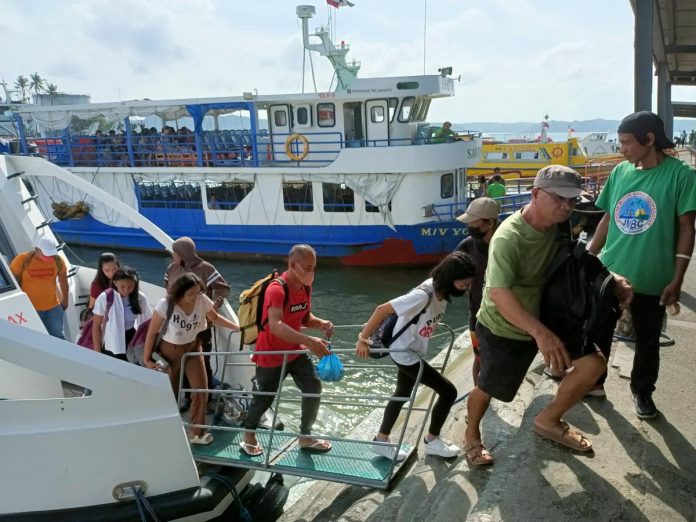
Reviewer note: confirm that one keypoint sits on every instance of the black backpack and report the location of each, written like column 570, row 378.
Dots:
column 578, row 302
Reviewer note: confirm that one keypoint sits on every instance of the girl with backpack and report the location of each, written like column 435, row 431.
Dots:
column 186, row 310
column 106, row 268
column 117, row 313
column 452, row 277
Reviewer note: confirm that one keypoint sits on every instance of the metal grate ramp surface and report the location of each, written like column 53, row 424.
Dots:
column 347, row 462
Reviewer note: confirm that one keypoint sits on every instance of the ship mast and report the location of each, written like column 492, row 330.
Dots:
column 346, row 72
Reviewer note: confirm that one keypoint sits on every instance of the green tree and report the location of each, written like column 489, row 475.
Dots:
column 52, row 90
column 37, row 83
column 22, row 84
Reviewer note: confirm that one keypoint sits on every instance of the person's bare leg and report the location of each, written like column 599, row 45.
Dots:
column 571, row 390
column 476, row 408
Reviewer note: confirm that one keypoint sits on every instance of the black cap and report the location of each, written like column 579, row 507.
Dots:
column 641, row 123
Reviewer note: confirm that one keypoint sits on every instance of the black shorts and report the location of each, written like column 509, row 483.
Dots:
column 504, row 363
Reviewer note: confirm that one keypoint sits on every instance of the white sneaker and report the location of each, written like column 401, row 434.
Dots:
column 442, row 448
column 389, row 452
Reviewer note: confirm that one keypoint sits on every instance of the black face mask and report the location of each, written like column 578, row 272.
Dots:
column 455, row 292
column 476, row 233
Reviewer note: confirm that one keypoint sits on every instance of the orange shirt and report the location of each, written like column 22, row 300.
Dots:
column 38, row 280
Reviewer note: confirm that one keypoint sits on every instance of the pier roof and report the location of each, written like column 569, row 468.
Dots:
column 674, row 39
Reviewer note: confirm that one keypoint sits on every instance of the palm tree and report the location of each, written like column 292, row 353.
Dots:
column 52, row 90
column 22, row 84
column 37, row 83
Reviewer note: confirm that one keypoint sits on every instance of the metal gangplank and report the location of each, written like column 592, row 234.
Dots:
column 350, row 460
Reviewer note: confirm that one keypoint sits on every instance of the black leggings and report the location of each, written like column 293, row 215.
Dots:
column 405, row 381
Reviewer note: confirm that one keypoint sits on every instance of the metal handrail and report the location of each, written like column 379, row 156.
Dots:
column 344, row 398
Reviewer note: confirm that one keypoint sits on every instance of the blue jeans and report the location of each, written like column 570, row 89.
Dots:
column 53, row 321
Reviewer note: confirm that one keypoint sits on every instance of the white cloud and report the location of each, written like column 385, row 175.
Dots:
column 518, row 59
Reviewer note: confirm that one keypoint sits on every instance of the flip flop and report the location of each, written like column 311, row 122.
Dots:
column 318, row 446
column 251, row 450
column 204, row 439
column 480, row 459
column 553, row 376
column 558, row 434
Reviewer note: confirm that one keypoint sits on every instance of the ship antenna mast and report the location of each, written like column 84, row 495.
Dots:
column 346, row 73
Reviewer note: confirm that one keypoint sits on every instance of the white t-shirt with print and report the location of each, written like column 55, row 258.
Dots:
column 415, row 339
column 183, row 328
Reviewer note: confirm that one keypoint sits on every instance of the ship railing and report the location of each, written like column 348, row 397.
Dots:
column 350, row 460
column 509, row 203
column 213, row 148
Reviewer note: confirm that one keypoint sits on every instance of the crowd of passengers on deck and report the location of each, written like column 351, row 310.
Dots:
column 169, row 148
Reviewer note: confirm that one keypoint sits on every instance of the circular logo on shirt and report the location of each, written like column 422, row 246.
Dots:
column 635, row 213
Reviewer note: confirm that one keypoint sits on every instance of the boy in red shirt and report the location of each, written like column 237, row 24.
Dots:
column 283, row 319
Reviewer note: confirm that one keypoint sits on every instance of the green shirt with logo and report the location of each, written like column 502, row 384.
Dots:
column 518, row 258
column 644, row 206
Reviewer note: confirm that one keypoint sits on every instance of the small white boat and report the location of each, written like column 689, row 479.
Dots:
column 85, row 436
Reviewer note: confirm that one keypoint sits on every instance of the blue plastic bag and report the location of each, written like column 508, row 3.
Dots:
column 330, row 368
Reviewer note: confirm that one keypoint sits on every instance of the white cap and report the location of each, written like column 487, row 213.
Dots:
column 47, row 246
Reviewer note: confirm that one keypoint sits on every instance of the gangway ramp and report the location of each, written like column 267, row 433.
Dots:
column 350, row 461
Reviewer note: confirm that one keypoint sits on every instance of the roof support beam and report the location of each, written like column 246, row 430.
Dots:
column 643, row 55
column 672, row 49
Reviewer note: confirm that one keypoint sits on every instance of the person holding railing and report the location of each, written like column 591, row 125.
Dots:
column 286, row 310
column 186, row 311
column 452, row 277
column 445, row 134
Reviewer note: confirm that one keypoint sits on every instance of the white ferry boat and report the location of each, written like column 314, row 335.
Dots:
column 354, row 171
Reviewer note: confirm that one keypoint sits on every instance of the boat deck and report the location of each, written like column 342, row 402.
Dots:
column 350, row 462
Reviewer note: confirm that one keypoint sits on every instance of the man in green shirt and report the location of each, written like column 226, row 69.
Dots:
column 647, row 234
column 508, row 327
column 496, row 186
column 445, row 134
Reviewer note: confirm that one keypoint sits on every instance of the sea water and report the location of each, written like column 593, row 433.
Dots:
column 347, row 296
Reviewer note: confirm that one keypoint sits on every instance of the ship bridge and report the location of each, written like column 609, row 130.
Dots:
column 665, row 38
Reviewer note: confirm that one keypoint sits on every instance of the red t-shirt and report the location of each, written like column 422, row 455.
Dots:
column 294, row 314
column 95, row 289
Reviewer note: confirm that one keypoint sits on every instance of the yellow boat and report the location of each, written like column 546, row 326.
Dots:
column 524, row 159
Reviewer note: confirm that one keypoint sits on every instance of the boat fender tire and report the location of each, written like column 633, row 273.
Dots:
column 288, row 147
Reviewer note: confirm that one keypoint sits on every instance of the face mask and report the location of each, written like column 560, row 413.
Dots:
column 455, row 292
column 476, row 233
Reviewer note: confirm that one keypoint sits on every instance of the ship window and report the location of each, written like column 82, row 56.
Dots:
column 496, row 156
column 447, row 185
column 326, row 114
column 5, row 281
column 227, row 195
column 407, row 85
column 297, row 197
column 280, row 118
column 338, row 197
column 377, row 114
column 421, row 112
column 393, row 103
column 303, row 116
column 406, row 107
column 369, row 207
column 175, row 194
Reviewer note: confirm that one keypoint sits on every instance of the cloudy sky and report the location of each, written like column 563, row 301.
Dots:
column 518, row 59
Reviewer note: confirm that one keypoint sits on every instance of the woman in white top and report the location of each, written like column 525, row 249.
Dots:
column 117, row 313
column 452, row 277
column 189, row 310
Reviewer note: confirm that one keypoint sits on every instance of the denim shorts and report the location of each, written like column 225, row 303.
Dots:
column 504, row 363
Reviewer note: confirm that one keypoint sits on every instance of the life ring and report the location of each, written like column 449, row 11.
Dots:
column 305, row 147
column 557, row 152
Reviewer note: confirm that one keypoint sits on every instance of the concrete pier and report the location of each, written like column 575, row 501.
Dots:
column 639, row 470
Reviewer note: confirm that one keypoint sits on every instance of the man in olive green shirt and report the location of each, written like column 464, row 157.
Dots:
column 508, row 328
